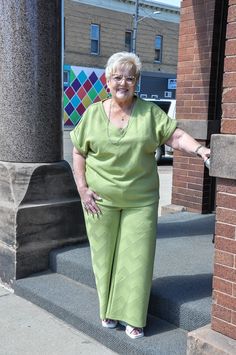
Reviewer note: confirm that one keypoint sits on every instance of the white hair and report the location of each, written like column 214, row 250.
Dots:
column 123, row 59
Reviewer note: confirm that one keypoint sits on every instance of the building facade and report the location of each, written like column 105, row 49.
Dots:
column 94, row 30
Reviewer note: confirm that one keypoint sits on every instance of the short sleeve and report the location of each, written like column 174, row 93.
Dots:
column 79, row 136
column 164, row 125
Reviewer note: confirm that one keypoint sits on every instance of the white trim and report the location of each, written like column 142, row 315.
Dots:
column 167, row 13
column 143, row 96
column 167, row 94
column 155, row 97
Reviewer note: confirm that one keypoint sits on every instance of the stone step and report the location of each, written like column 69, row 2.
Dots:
column 182, row 280
column 77, row 305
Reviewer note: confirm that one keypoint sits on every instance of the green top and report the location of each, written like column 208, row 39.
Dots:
column 120, row 164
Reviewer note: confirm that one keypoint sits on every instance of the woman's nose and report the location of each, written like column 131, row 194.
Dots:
column 123, row 80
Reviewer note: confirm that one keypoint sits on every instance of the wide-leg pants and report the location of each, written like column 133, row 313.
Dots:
column 122, row 245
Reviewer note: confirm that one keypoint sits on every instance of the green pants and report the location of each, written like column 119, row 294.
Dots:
column 122, row 245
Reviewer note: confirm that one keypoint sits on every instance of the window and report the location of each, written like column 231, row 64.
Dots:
column 95, row 38
column 66, row 77
column 158, row 49
column 167, row 94
column 171, row 84
column 128, row 41
column 154, row 97
column 143, row 96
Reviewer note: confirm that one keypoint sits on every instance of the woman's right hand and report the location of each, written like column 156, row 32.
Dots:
column 88, row 199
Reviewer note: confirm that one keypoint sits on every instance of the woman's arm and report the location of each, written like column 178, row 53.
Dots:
column 88, row 197
column 182, row 141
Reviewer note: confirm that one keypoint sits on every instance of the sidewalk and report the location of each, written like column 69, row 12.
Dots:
column 26, row 329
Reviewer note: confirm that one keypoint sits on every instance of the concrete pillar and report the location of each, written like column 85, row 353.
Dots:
column 39, row 205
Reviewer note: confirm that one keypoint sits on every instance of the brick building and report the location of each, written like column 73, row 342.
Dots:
column 206, row 106
column 96, row 29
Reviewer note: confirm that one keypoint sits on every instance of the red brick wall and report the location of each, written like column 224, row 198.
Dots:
column 224, row 294
column 224, row 284
column 192, row 186
column 229, row 83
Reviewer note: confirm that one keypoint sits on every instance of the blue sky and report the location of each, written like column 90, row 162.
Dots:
column 170, row 2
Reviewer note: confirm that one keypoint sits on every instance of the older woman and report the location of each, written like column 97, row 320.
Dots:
column 116, row 176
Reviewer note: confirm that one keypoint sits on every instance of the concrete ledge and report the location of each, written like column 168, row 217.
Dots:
column 223, row 158
column 205, row 341
column 168, row 209
column 200, row 129
column 41, row 210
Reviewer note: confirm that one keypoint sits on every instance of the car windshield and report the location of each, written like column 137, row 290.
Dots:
column 164, row 105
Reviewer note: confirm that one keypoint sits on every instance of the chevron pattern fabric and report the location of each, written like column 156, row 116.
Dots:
column 122, row 245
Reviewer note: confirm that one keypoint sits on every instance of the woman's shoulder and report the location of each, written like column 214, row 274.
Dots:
column 92, row 111
column 94, row 106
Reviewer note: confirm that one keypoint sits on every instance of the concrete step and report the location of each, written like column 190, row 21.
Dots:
column 182, row 280
column 77, row 305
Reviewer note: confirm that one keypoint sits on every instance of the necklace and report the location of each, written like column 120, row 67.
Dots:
column 122, row 130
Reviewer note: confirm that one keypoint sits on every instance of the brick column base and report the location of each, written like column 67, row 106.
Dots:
column 204, row 341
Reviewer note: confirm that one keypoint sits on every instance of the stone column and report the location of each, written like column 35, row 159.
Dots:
column 39, row 205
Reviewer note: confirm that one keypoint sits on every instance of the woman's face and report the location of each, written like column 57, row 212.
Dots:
column 122, row 84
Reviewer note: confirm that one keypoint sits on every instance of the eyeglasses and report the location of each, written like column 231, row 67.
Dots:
column 130, row 80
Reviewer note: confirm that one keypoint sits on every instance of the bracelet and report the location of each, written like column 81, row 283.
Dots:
column 197, row 149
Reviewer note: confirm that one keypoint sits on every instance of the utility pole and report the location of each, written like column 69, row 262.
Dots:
column 135, row 26
column 136, row 20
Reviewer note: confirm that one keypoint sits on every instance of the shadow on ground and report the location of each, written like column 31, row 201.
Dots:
column 185, row 224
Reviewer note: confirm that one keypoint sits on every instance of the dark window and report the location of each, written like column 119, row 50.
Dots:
column 66, row 78
column 95, row 38
column 164, row 105
column 158, row 48
column 128, row 41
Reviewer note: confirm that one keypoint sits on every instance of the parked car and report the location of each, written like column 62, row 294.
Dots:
column 169, row 107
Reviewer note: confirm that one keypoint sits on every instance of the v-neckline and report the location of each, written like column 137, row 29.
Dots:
column 119, row 129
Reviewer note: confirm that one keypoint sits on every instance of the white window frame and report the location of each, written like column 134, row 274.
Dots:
column 143, row 96
column 155, row 97
column 128, row 47
column 167, row 94
column 94, row 37
column 67, row 74
column 158, row 48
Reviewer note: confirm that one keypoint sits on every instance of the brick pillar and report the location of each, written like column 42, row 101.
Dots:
column 197, row 112
column 224, row 168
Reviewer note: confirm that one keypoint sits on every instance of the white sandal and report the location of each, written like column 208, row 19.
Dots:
column 134, row 332
column 109, row 323
column 130, row 331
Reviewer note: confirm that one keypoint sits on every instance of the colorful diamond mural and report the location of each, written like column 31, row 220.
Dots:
column 83, row 87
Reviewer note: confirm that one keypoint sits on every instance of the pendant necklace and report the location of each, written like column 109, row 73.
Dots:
column 122, row 130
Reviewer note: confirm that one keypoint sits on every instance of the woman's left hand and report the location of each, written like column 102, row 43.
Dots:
column 204, row 153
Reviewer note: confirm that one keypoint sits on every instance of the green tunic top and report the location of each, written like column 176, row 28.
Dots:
column 120, row 164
